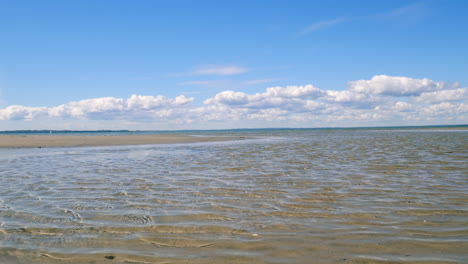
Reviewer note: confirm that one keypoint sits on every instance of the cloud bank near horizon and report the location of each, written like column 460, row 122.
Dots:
column 377, row 101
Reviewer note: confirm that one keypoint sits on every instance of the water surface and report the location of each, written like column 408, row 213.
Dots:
column 281, row 196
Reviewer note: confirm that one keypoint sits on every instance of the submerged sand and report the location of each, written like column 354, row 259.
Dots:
column 293, row 196
column 37, row 141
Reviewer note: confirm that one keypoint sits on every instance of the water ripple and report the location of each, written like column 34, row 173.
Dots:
column 295, row 196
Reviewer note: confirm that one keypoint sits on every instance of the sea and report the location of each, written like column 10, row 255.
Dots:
column 335, row 195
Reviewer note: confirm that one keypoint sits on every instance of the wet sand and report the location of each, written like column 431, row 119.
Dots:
column 38, row 141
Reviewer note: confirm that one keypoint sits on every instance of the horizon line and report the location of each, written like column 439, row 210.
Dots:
column 227, row 129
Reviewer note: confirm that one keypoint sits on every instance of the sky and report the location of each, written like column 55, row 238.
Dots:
column 158, row 65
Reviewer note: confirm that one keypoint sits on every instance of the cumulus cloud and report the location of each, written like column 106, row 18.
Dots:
column 378, row 101
column 351, row 98
column 459, row 94
column 101, row 108
column 229, row 98
column 292, row 99
column 18, row 112
column 446, row 109
column 396, row 86
column 272, row 96
column 305, row 91
column 403, row 107
column 380, row 98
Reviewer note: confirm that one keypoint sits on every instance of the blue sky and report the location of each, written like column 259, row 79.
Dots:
column 77, row 64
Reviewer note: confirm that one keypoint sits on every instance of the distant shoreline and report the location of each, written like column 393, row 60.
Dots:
column 40, row 141
column 167, row 132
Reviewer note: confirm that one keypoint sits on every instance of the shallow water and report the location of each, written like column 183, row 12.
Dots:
column 299, row 196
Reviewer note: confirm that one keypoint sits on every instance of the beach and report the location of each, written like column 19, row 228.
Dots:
column 40, row 141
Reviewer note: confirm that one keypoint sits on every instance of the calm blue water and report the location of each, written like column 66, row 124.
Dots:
column 279, row 196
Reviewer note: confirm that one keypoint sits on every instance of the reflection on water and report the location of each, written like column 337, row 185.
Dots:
column 333, row 196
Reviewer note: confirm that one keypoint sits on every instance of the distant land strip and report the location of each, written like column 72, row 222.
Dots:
column 39, row 141
column 170, row 132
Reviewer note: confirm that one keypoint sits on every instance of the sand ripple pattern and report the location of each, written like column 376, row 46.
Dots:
column 299, row 196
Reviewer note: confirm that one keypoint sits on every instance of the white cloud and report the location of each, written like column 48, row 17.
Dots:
column 272, row 96
column 446, row 109
column 103, row 108
column 378, row 101
column 396, row 86
column 403, row 107
column 293, row 91
column 270, row 114
column 229, row 98
column 18, row 112
column 291, row 98
column 459, row 94
column 82, row 108
column 352, row 98
column 219, row 70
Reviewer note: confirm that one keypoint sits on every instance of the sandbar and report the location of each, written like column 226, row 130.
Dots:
column 39, row 141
